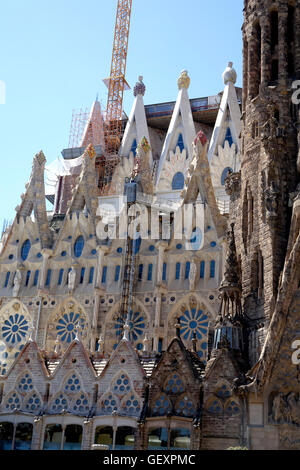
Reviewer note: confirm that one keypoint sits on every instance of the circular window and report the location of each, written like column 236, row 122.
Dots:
column 213, row 244
column 119, row 250
column 63, row 253
column 78, row 246
column 25, row 249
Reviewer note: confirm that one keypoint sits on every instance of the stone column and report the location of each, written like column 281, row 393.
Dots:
column 102, row 250
column 265, row 50
column 86, row 443
column 36, row 440
column 63, row 436
column 297, row 42
column 161, row 246
column 282, row 46
column 46, row 254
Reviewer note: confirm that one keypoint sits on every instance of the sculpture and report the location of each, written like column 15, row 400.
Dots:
column 192, row 275
column 17, row 283
column 71, row 278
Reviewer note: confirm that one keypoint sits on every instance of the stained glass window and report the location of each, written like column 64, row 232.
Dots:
column 25, row 249
column 161, row 406
column 228, row 137
column 150, row 269
column 7, row 279
column 72, row 384
column 91, row 276
column 180, row 142
column 178, row 181
column 60, row 277
column 185, row 407
column 202, row 269
column 174, row 384
column 117, row 273
column 78, row 246
column 36, row 277
column 177, row 273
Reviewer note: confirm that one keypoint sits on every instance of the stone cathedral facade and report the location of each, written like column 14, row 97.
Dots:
column 175, row 338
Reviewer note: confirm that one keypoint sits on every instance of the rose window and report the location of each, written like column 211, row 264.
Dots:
column 174, row 384
column 60, row 403
column 25, row 384
column 81, row 404
column 72, row 384
column 137, row 327
column 121, row 385
column 195, row 321
column 13, row 402
column 185, row 407
column 15, row 329
column 162, row 406
column 67, row 326
column 33, row 404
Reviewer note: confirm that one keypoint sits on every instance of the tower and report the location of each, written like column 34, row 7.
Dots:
column 271, row 37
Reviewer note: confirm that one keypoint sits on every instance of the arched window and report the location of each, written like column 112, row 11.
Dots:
column 202, row 269
column 33, row 404
column 91, row 275
column 150, row 269
column 212, row 269
column 196, row 239
column 25, row 249
column 214, row 406
column 185, row 407
column 164, row 272
column 174, row 384
column 72, row 384
column 28, row 274
column 6, row 435
column 104, row 274
column 140, row 275
column 60, row 277
column 7, row 279
column 187, row 269
column 225, row 173
column 177, row 273
column 73, row 437
column 36, row 277
column 134, row 147
column 232, row 408
column 109, row 403
column 223, row 391
column 13, row 402
column 48, row 278
column 23, row 436
column 117, row 273
column 104, row 435
column 78, row 246
column 59, row 404
column 178, row 181
column 52, row 437
column 121, row 384
column 82, row 273
column 161, row 406
column 228, row 137
column 180, row 142
column 131, row 405
column 80, row 404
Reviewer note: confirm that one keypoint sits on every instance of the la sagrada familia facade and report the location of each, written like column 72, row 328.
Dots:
column 172, row 338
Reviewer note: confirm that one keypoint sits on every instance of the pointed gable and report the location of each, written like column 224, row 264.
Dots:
column 94, row 131
column 225, row 145
column 179, row 139
column 136, row 128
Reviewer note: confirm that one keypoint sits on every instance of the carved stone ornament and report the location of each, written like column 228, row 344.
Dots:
column 272, row 194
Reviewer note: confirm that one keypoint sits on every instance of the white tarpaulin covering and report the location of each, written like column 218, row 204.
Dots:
column 60, row 167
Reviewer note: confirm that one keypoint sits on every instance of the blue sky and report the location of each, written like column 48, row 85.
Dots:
column 55, row 54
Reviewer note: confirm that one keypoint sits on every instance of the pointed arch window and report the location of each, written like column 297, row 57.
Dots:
column 228, row 137
column 187, row 269
column 13, row 402
column 28, row 274
column 80, row 404
column 202, row 269
column 134, row 147
column 212, row 269
column 78, row 246
column 215, row 406
column 131, row 405
column 82, row 273
column 117, row 273
column 36, row 277
column 178, row 181
column 7, row 279
column 141, row 268
column 150, row 270
column 48, row 278
column 91, row 275
column 174, row 384
column 25, row 249
column 185, row 407
column 161, row 406
column 180, row 142
column 59, row 403
column 60, row 277
column 164, row 272
column 177, row 272
column 104, row 274
column 225, row 173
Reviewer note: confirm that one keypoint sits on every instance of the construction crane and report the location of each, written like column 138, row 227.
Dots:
column 116, row 82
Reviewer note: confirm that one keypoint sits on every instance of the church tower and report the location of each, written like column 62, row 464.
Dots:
column 271, row 37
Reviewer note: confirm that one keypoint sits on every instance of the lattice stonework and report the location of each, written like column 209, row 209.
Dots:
column 15, row 325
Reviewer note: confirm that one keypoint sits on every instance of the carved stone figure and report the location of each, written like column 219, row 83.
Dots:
column 192, row 275
column 72, row 278
column 279, row 408
column 294, row 408
column 272, row 200
column 17, row 283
